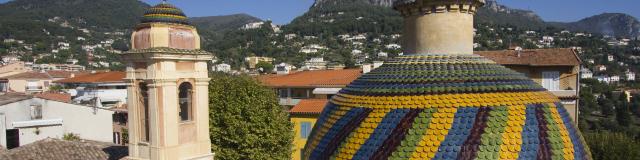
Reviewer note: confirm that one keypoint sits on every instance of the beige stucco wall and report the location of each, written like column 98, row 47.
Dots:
column 170, row 138
column 568, row 74
column 12, row 69
column 18, row 85
column 568, row 81
column 158, row 35
column 74, row 120
column 439, row 33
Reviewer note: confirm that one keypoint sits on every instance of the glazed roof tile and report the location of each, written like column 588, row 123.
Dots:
column 309, row 106
column 101, row 77
column 321, row 78
column 167, row 50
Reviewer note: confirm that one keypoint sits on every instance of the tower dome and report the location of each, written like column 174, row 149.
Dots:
column 440, row 102
column 165, row 13
column 163, row 27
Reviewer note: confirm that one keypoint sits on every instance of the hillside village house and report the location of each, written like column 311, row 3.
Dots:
column 557, row 70
column 29, row 82
column 13, row 68
column 601, row 68
column 307, row 92
column 630, row 76
column 253, row 61
column 585, row 73
column 25, row 119
column 33, row 82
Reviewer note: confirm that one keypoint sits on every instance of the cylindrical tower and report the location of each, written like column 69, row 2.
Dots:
column 440, row 101
column 438, row 26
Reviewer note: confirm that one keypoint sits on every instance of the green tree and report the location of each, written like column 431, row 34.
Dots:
column 265, row 66
column 246, row 121
column 120, row 45
column 622, row 111
column 612, row 146
column 71, row 137
column 606, row 106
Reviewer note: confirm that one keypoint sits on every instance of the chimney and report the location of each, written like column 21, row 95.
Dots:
column 366, row 68
column 438, row 26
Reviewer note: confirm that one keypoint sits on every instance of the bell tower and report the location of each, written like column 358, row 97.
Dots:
column 167, row 89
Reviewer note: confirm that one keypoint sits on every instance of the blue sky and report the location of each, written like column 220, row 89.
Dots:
column 283, row 11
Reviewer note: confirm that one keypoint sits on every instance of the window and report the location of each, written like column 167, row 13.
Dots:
column 184, row 101
column 284, row 93
column 305, row 129
column 36, row 112
column 551, row 80
column 144, row 103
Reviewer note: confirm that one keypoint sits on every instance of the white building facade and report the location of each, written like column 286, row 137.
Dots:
column 32, row 119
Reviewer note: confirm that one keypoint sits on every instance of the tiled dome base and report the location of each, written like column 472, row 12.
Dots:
column 444, row 107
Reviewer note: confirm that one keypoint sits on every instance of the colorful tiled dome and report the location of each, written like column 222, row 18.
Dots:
column 444, row 107
column 165, row 13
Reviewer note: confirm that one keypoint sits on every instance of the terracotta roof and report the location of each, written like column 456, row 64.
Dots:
column 65, row 74
column 534, row 57
column 309, row 106
column 54, row 149
column 29, row 75
column 102, row 77
column 60, row 97
column 322, row 78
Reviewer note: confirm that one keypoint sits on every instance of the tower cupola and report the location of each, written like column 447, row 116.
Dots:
column 167, row 88
column 165, row 26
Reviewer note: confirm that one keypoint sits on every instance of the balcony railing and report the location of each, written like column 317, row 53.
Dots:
column 289, row 101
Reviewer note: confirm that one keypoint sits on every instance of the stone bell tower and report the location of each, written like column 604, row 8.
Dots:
column 167, row 90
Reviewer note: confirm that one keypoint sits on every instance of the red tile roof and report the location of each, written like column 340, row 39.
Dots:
column 29, row 75
column 309, row 106
column 60, row 97
column 65, row 74
column 102, row 77
column 321, row 78
column 534, row 57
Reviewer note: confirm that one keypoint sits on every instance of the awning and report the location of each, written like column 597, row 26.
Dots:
column 326, row 90
column 36, row 123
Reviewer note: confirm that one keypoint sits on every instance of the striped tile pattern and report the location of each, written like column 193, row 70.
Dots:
column 164, row 13
column 444, row 107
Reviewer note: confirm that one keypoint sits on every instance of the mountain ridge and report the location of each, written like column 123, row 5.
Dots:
column 612, row 24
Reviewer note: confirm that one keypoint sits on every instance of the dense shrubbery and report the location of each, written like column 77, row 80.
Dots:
column 612, row 146
column 246, row 121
